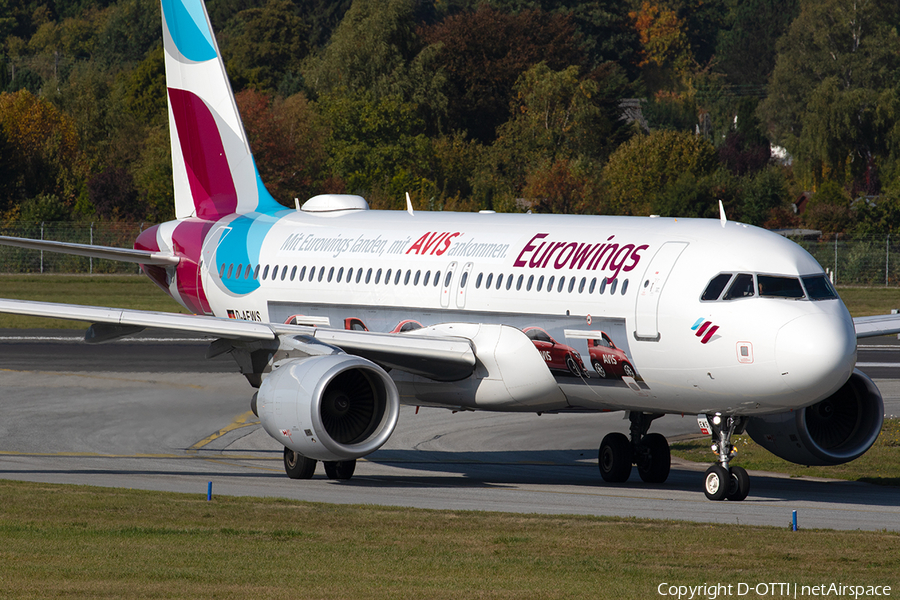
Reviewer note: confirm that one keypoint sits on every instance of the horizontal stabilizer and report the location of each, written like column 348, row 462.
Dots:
column 120, row 254
column 213, row 326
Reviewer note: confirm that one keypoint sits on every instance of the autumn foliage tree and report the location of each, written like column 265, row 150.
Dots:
column 45, row 153
column 287, row 141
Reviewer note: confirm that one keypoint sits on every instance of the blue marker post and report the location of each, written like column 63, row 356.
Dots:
column 793, row 528
column 209, row 497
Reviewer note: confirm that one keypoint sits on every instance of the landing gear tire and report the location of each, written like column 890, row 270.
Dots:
column 654, row 465
column 600, row 370
column 717, row 482
column 342, row 469
column 740, row 484
column 615, row 458
column 572, row 366
column 298, row 466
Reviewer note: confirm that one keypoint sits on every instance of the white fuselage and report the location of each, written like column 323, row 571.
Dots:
column 637, row 280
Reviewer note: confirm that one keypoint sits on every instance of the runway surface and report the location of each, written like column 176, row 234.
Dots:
column 155, row 414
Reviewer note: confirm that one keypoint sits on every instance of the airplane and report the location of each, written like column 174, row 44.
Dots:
column 713, row 318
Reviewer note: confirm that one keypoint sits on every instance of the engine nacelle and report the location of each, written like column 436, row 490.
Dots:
column 835, row 430
column 334, row 407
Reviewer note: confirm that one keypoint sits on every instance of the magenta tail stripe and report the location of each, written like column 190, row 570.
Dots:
column 208, row 172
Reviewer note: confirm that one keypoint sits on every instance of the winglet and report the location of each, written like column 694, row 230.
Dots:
column 722, row 218
column 409, row 208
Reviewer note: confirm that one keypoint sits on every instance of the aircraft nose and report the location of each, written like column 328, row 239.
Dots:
column 816, row 354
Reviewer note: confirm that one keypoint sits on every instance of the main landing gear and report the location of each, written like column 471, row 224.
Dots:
column 649, row 451
column 722, row 480
column 298, row 466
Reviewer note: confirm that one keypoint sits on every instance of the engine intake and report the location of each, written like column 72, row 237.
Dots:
column 333, row 407
column 833, row 431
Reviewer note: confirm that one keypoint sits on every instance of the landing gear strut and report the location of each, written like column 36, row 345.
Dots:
column 650, row 452
column 723, row 480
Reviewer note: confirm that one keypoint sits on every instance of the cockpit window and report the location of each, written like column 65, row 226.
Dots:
column 819, row 288
column 716, row 285
column 779, row 287
column 742, row 287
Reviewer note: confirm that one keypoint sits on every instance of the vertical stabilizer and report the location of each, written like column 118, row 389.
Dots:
column 213, row 170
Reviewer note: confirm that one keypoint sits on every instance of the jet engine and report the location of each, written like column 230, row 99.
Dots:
column 332, row 408
column 833, row 431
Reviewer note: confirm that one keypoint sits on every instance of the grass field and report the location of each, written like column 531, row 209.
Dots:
column 70, row 541
column 118, row 291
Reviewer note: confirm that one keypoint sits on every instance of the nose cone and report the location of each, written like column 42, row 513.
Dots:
column 816, row 353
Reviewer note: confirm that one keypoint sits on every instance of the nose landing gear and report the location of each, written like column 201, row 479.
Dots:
column 723, row 480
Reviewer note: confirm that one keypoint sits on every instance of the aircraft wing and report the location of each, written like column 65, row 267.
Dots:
column 441, row 358
column 876, row 325
column 108, row 252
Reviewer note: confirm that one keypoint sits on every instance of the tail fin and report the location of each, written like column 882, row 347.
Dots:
column 213, row 169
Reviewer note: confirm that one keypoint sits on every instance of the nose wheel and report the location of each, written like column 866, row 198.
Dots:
column 723, row 481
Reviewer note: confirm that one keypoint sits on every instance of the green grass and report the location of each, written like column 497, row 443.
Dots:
column 880, row 465
column 865, row 301
column 76, row 541
column 117, row 291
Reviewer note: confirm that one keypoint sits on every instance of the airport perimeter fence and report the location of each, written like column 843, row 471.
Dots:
column 21, row 260
column 865, row 261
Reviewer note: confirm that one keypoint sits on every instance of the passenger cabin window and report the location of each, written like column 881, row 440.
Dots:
column 742, row 287
column 715, row 286
column 779, row 287
column 818, row 287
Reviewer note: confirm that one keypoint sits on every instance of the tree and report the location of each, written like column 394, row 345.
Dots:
column 665, row 49
column 376, row 145
column 287, row 141
column 746, row 44
column 263, row 46
column 560, row 114
column 762, row 194
column 643, row 167
column 371, row 49
column 565, row 186
column 113, row 194
column 836, row 59
column 482, row 53
column 130, row 30
column 46, row 158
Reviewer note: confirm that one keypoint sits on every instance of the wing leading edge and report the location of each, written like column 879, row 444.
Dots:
column 442, row 358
